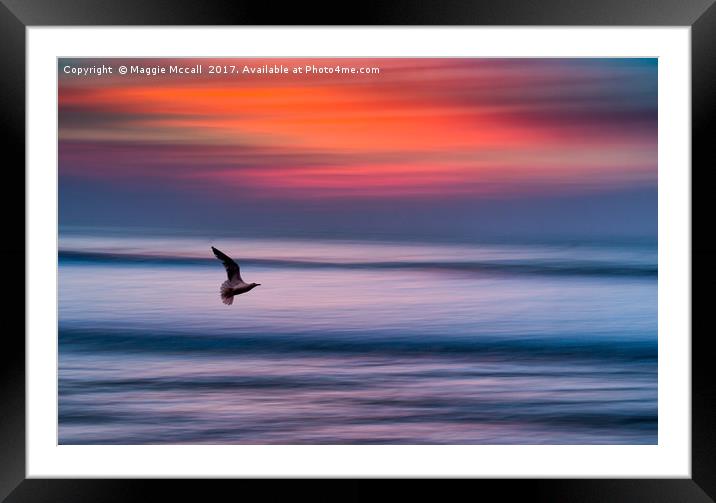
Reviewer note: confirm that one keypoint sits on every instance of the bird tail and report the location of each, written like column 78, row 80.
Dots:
column 226, row 296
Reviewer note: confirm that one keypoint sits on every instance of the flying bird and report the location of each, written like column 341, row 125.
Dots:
column 234, row 285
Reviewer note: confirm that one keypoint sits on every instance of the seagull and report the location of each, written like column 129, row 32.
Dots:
column 234, row 285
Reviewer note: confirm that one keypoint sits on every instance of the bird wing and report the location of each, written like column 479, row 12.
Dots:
column 232, row 268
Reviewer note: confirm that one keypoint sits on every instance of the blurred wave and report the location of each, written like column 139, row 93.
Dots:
column 582, row 347
column 515, row 267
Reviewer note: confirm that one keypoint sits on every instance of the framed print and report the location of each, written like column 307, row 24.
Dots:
column 366, row 251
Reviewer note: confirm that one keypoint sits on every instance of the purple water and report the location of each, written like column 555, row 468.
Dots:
column 356, row 342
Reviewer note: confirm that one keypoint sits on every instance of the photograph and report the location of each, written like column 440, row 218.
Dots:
column 414, row 250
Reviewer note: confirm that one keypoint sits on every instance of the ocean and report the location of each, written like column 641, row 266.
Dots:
column 356, row 342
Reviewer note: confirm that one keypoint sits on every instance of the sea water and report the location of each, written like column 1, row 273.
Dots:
column 356, row 342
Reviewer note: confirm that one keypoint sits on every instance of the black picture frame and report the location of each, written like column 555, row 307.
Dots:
column 17, row 15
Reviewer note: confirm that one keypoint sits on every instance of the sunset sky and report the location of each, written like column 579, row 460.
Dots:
column 481, row 147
